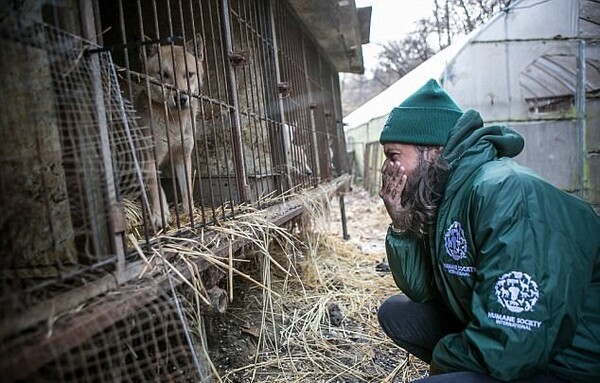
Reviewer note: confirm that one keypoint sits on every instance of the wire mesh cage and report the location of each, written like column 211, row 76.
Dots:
column 144, row 123
column 118, row 339
column 267, row 117
column 76, row 149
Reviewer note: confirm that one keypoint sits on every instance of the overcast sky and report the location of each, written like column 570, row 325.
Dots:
column 391, row 20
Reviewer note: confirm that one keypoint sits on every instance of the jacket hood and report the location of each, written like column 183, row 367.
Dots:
column 471, row 144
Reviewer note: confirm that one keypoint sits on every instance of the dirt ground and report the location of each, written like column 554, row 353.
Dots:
column 366, row 220
column 318, row 323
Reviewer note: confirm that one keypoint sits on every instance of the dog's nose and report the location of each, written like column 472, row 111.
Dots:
column 183, row 100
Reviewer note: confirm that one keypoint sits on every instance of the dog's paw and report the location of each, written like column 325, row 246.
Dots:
column 157, row 219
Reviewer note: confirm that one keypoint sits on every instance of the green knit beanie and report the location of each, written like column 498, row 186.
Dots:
column 425, row 118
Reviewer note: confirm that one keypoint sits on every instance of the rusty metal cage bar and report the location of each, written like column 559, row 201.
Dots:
column 318, row 93
column 296, row 104
column 340, row 158
column 255, row 88
column 238, row 151
column 264, row 40
column 215, row 124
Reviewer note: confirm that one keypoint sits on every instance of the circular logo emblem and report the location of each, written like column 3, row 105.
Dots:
column 517, row 292
column 455, row 242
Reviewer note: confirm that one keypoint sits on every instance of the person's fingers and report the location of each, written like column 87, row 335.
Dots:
column 393, row 180
column 383, row 177
column 402, row 180
column 384, row 166
column 388, row 171
column 394, row 175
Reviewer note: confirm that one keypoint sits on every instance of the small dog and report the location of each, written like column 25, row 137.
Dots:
column 169, row 111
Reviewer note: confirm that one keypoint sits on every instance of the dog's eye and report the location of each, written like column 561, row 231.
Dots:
column 191, row 74
column 165, row 74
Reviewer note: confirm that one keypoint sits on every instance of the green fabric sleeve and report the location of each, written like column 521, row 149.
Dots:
column 411, row 267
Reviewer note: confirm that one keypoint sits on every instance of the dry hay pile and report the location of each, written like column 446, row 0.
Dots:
column 303, row 302
column 314, row 320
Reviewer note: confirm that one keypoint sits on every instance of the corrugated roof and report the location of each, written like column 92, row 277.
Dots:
column 555, row 75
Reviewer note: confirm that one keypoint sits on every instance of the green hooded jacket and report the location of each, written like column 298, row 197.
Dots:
column 516, row 259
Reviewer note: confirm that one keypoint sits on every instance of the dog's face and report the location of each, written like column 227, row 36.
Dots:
column 179, row 70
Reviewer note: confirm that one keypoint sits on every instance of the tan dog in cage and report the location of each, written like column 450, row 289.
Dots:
column 167, row 107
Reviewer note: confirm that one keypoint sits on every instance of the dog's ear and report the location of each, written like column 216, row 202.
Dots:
column 195, row 45
column 151, row 50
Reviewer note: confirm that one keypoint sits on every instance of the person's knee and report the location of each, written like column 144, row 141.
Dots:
column 392, row 308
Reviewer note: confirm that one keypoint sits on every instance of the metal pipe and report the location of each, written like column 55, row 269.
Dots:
column 581, row 119
column 236, row 131
column 345, row 234
column 285, row 183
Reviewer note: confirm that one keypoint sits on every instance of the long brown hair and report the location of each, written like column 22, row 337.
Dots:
column 423, row 193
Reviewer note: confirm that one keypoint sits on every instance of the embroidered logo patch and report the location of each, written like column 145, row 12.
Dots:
column 455, row 241
column 517, row 292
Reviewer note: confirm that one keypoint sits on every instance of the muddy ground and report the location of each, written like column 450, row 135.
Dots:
column 323, row 326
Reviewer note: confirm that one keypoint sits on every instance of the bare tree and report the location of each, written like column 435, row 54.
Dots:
column 402, row 56
column 450, row 19
column 453, row 18
column 357, row 89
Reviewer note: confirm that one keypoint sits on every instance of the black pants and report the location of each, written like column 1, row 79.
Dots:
column 418, row 327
